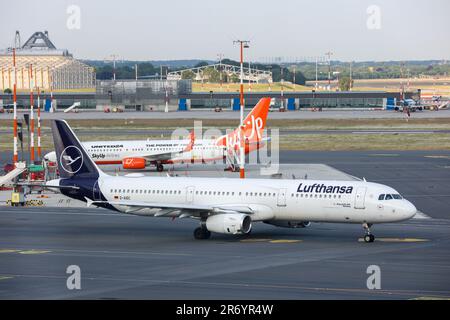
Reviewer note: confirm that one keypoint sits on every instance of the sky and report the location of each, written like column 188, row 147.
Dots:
column 354, row 30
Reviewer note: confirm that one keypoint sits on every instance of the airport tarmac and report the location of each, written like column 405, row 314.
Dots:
column 210, row 114
column 122, row 257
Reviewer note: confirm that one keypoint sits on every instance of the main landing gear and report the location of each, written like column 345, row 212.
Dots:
column 369, row 237
column 159, row 167
column 202, row 233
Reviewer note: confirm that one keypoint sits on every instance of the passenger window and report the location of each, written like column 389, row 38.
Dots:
column 381, row 197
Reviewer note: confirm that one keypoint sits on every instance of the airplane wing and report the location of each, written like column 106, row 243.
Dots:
column 169, row 155
column 46, row 186
column 184, row 210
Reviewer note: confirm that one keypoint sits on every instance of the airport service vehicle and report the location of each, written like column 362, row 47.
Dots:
column 224, row 205
column 410, row 104
column 139, row 154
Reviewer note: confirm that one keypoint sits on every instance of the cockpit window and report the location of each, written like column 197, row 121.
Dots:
column 395, row 196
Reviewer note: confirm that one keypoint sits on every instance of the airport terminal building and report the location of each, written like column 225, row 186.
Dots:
column 40, row 64
column 65, row 80
column 152, row 95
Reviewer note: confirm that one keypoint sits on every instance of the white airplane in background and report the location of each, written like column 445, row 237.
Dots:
column 222, row 205
column 139, row 154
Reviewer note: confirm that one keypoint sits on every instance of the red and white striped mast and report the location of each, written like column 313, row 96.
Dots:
column 39, row 152
column 31, row 115
column 15, row 153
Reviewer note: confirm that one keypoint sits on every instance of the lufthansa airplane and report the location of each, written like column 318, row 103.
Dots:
column 228, row 206
column 139, row 154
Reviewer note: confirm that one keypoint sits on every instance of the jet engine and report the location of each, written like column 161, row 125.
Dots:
column 133, row 163
column 289, row 224
column 231, row 223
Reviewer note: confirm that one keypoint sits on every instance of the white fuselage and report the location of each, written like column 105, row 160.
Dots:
column 270, row 199
column 112, row 152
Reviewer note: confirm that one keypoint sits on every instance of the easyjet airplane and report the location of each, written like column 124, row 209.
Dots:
column 139, row 154
column 224, row 205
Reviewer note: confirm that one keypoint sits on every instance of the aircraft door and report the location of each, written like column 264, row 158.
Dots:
column 190, row 194
column 281, row 200
column 360, row 198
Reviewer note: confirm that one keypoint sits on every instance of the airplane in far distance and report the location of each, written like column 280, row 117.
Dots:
column 139, row 154
column 224, row 205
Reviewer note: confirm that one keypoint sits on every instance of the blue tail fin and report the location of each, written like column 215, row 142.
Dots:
column 72, row 158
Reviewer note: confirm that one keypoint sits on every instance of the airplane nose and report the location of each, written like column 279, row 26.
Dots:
column 409, row 210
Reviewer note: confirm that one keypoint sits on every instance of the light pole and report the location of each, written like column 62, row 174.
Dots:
column 249, row 77
column 136, row 85
column 243, row 44
column 282, row 89
column 329, row 54
column 220, row 56
column 293, row 87
column 351, row 75
column 317, row 73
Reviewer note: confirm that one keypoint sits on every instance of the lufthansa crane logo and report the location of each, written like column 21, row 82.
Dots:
column 71, row 159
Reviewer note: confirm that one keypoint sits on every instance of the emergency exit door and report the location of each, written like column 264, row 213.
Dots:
column 190, row 194
column 281, row 201
column 360, row 198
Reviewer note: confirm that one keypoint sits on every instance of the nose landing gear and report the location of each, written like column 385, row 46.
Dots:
column 369, row 237
column 159, row 167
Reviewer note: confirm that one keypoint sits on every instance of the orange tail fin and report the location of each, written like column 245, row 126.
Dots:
column 253, row 125
column 255, row 122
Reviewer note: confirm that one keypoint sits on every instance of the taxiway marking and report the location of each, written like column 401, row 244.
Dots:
column 272, row 240
column 32, row 251
column 397, row 240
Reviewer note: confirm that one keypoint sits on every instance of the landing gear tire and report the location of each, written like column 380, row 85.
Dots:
column 159, row 167
column 369, row 237
column 201, row 233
